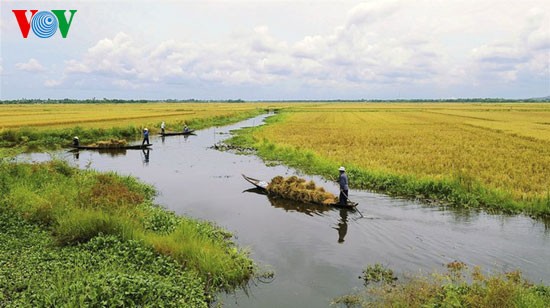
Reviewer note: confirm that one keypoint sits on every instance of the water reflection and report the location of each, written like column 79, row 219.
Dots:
column 145, row 156
column 295, row 206
column 292, row 206
column 342, row 225
column 108, row 152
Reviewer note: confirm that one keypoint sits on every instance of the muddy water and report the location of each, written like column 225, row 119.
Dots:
column 318, row 254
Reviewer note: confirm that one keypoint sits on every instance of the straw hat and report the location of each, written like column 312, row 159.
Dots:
column 341, row 169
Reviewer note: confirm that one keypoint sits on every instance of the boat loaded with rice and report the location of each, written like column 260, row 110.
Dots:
column 298, row 189
column 189, row 132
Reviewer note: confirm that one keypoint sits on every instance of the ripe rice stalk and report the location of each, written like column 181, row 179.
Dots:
column 299, row 189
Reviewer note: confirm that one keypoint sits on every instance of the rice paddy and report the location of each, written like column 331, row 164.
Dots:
column 504, row 148
column 48, row 116
column 50, row 126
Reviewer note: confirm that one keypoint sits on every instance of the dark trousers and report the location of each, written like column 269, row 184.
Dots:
column 343, row 197
column 145, row 140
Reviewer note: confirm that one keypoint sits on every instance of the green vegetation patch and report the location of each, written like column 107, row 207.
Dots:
column 457, row 287
column 106, row 271
column 74, row 210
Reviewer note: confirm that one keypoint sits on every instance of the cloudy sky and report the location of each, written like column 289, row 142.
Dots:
column 281, row 50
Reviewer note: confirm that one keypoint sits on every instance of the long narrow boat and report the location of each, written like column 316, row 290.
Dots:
column 262, row 185
column 190, row 132
column 124, row 147
column 258, row 183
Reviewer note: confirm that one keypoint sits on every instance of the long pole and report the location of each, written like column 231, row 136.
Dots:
column 352, row 201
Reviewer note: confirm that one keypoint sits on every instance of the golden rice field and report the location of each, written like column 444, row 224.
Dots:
column 505, row 146
column 113, row 115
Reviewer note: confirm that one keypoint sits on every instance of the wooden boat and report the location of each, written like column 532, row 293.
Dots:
column 349, row 205
column 258, row 183
column 114, row 148
column 189, row 132
column 262, row 186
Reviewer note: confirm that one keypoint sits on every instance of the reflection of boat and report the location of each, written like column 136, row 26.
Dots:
column 112, row 148
column 110, row 152
column 256, row 190
column 297, row 206
column 190, row 132
column 262, row 185
column 291, row 205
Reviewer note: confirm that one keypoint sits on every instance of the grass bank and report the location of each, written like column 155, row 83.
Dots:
column 459, row 286
column 458, row 189
column 29, row 138
column 96, row 239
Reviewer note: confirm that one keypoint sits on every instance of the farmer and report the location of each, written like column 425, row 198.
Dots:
column 185, row 128
column 76, row 142
column 145, row 136
column 343, row 180
column 162, row 127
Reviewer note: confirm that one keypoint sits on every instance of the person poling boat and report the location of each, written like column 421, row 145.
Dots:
column 145, row 136
column 344, row 187
column 162, row 127
column 298, row 189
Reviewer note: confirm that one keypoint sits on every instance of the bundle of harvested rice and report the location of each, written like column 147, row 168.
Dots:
column 298, row 189
column 113, row 143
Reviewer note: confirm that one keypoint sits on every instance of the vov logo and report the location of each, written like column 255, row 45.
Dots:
column 44, row 24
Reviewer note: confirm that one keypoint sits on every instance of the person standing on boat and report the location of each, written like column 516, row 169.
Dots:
column 162, row 127
column 145, row 136
column 185, row 128
column 344, row 188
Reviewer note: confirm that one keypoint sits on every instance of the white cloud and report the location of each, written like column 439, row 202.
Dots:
column 371, row 12
column 526, row 55
column 52, row 83
column 379, row 44
column 125, row 84
column 31, row 66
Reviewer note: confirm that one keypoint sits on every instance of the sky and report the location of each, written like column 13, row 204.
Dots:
column 280, row 50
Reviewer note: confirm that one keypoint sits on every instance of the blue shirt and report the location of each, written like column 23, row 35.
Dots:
column 343, row 181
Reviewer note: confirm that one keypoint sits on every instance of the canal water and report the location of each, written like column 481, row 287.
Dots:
column 317, row 254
